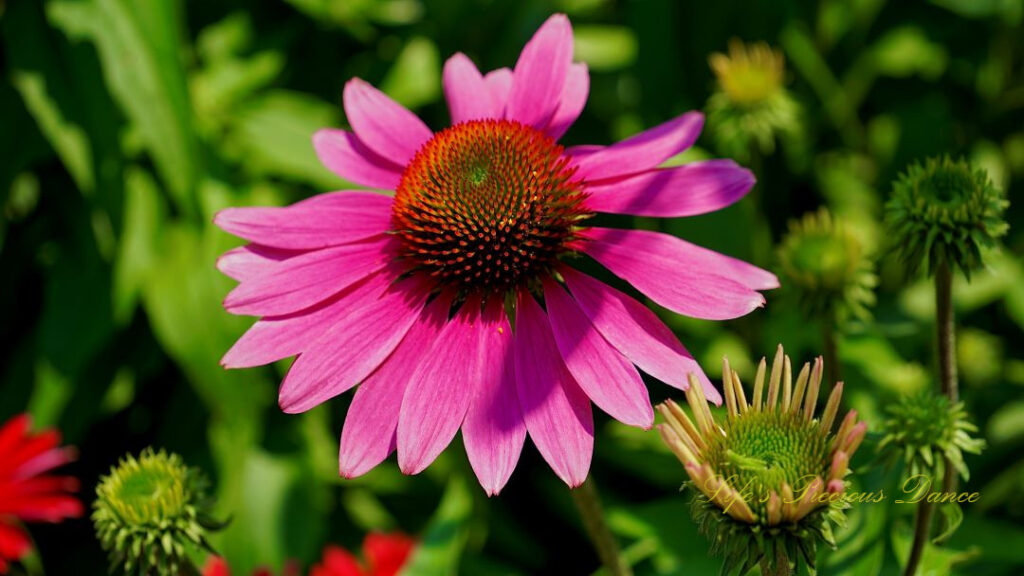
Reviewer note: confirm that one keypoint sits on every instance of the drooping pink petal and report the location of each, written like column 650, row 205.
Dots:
column 441, row 389
column 342, row 153
column 275, row 337
column 351, row 349
column 369, row 433
column 499, row 82
column 696, row 188
column 673, row 274
column 324, row 220
column 467, row 94
column 540, row 73
column 300, row 282
column 247, row 262
column 608, row 378
column 636, row 332
column 385, row 126
column 555, row 408
column 494, row 431
column 643, row 151
column 574, row 98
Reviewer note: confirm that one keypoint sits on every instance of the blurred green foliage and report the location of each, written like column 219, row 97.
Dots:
column 128, row 123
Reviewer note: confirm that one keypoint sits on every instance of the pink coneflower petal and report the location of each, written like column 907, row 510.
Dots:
column 369, row 433
column 350, row 350
column 574, row 98
column 494, row 431
column 441, row 388
column 499, row 83
column 275, row 337
column 300, row 282
column 608, row 378
column 252, row 260
column 555, row 408
column 466, row 92
column 677, row 274
column 385, row 126
column 341, row 152
column 636, row 332
column 321, row 221
column 643, row 151
column 696, row 188
column 540, row 73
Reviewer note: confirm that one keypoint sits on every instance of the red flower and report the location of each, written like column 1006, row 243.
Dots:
column 217, row 566
column 27, row 492
column 384, row 555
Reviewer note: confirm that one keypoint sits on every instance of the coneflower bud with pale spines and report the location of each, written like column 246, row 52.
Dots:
column 770, row 476
column 944, row 211
column 152, row 514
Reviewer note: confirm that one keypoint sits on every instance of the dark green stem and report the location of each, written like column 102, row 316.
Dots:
column 833, row 371
column 922, row 531
column 946, row 332
column 589, row 504
column 780, row 566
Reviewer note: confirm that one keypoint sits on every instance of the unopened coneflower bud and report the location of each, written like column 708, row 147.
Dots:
column 944, row 211
column 751, row 107
column 152, row 514
column 828, row 269
column 769, row 477
column 925, row 430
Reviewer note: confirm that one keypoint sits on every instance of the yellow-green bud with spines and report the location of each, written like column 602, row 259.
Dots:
column 827, row 267
column 152, row 514
column 925, row 429
column 751, row 106
column 945, row 211
column 769, row 478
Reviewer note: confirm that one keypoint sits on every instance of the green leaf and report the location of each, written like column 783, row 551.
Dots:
column 415, row 78
column 138, row 249
column 141, row 57
column 951, row 516
column 905, row 51
column 605, row 48
column 439, row 551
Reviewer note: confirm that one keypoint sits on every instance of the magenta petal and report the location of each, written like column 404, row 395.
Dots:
column 305, row 280
column 494, row 431
column 540, row 73
column 636, row 332
column 499, row 83
column 247, row 262
column 643, row 151
column 324, row 220
column 369, row 433
column 441, row 389
column 676, row 274
column 351, row 349
column 555, row 408
column 275, row 337
column 688, row 190
column 574, row 98
column 466, row 92
column 384, row 125
column 342, row 153
column 608, row 378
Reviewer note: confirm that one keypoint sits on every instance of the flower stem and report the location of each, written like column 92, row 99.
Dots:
column 589, row 504
column 833, row 371
column 779, row 568
column 922, row 530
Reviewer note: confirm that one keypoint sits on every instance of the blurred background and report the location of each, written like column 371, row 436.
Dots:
column 126, row 124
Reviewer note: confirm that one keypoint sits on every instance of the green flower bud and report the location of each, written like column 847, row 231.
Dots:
column 945, row 212
column 924, row 430
column 826, row 267
column 769, row 478
column 152, row 514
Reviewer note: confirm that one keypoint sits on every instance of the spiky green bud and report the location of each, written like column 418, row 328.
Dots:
column 152, row 513
column 827, row 267
column 944, row 211
column 924, row 430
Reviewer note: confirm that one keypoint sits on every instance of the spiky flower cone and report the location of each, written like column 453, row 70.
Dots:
column 751, row 106
column 151, row 513
column 769, row 478
column 827, row 267
column 926, row 431
column 944, row 211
